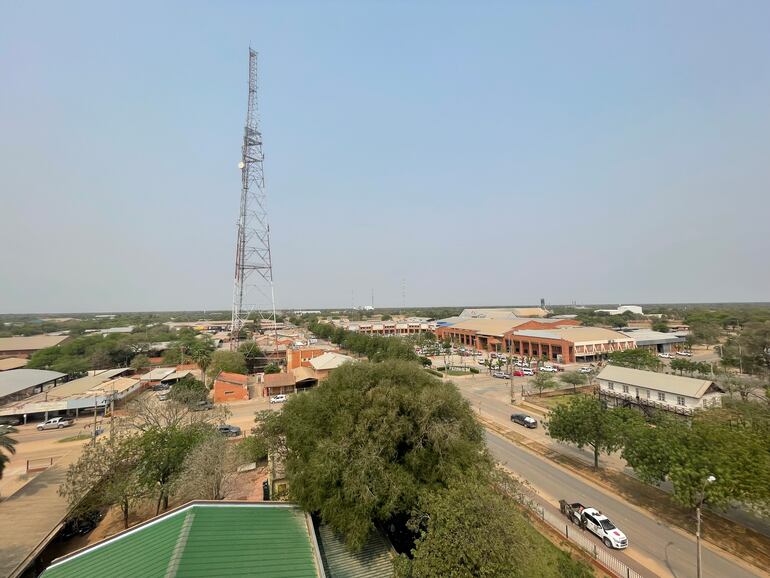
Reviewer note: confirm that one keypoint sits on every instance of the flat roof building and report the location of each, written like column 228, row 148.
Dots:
column 489, row 334
column 567, row 344
column 26, row 346
column 17, row 384
column 12, row 363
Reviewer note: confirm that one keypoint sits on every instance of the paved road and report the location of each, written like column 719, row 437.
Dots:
column 670, row 552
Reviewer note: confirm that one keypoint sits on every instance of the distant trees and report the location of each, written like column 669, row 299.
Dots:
column 660, row 325
column 374, row 347
column 637, row 358
column 541, row 381
column 140, row 362
column 584, row 421
column 272, row 368
column 750, row 350
column 189, row 391
column 690, row 367
column 253, row 356
column 230, row 361
column 7, row 445
column 574, row 379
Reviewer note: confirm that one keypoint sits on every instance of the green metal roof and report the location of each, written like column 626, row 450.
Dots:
column 372, row 561
column 203, row 539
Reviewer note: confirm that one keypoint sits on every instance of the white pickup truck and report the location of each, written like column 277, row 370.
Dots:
column 56, row 423
column 596, row 522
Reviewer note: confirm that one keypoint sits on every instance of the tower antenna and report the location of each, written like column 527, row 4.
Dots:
column 253, row 292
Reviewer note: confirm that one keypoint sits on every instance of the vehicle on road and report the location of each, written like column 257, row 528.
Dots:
column 664, row 355
column 596, row 522
column 684, row 353
column 585, row 369
column 278, row 398
column 501, row 375
column 231, row 431
column 549, row 369
column 524, row 419
column 56, row 423
column 518, row 373
column 204, row 405
column 481, row 362
column 527, row 371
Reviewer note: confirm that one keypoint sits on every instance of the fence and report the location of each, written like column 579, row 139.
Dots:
column 577, row 537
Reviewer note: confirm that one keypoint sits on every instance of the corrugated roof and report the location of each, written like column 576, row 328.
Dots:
column 12, row 363
column 279, row 379
column 676, row 384
column 649, row 337
column 303, row 373
column 158, row 373
column 31, row 343
column 576, row 334
column 496, row 327
column 237, row 378
column 16, row 380
column 202, row 540
column 372, row 561
column 329, row 360
column 77, row 386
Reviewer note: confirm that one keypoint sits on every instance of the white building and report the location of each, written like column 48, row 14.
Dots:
column 635, row 309
column 622, row 386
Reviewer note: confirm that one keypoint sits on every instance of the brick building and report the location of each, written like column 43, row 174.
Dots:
column 490, row 334
column 230, row 387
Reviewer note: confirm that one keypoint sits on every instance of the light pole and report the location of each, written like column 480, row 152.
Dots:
column 708, row 480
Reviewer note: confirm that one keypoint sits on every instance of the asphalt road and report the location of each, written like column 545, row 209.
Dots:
column 652, row 545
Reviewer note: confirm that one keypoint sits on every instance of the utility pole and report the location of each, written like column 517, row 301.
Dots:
column 253, row 290
column 708, row 480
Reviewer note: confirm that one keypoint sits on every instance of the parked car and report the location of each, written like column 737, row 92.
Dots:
column 203, row 405
column 161, row 387
column 527, row 371
column 585, row 369
column 481, row 362
column 81, row 525
column 231, row 431
column 549, row 369
column 163, row 396
column 684, row 353
column 278, row 398
column 10, row 420
column 56, row 423
column 518, row 373
column 524, row 419
column 596, row 522
column 664, row 355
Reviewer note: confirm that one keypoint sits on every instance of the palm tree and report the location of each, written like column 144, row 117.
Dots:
column 6, row 443
column 201, row 356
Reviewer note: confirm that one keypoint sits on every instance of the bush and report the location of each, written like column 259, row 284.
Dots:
column 473, row 370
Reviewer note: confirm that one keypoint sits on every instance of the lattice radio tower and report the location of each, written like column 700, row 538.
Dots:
column 253, row 294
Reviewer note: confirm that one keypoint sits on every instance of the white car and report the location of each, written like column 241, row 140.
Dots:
column 527, row 371
column 56, row 423
column 481, row 362
column 664, row 355
column 278, row 398
column 684, row 353
column 585, row 369
column 601, row 525
column 549, row 369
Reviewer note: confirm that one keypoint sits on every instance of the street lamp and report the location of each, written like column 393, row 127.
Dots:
column 709, row 480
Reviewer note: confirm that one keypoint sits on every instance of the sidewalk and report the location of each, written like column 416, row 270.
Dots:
column 32, row 515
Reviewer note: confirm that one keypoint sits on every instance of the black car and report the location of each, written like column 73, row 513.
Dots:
column 524, row 419
column 10, row 420
column 231, row 431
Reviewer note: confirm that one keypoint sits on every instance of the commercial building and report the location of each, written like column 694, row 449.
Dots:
column 623, row 387
column 301, row 357
column 655, row 341
column 635, row 309
column 393, row 327
column 489, row 334
column 70, row 398
column 503, row 312
column 329, row 361
column 26, row 346
column 567, row 344
column 17, row 384
column 230, row 387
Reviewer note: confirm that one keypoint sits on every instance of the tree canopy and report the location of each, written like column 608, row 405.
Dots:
column 230, row 361
column 636, row 359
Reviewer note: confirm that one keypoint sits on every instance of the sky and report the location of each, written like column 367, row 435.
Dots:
column 436, row 153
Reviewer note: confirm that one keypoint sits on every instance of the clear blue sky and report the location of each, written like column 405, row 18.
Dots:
column 485, row 152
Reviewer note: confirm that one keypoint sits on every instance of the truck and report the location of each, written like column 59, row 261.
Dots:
column 594, row 521
column 56, row 423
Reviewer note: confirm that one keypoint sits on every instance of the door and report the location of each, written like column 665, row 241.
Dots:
column 592, row 524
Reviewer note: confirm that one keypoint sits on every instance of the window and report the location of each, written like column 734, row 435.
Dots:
column 661, row 396
column 679, row 400
column 625, row 389
column 610, row 385
column 648, row 393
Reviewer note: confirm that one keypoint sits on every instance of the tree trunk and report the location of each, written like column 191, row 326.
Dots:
column 157, row 505
column 596, row 458
column 124, row 507
column 165, row 501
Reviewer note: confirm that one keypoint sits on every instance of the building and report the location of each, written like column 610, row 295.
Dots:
column 301, row 357
column 635, row 309
column 486, row 334
column 503, row 312
column 279, row 384
column 328, row 362
column 230, row 387
column 17, row 384
column 622, row 387
column 70, row 398
column 393, row 327
column 26, row 346
column 12, row 363
column 655, row 341
column 227, row 538
column 567, row 344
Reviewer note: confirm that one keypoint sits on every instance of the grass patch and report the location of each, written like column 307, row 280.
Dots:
column 75, row 438
column 549, row 402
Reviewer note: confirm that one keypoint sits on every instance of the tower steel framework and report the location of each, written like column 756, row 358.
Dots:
column 253, row 293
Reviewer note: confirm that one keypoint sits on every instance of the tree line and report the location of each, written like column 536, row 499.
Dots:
column 374, row 347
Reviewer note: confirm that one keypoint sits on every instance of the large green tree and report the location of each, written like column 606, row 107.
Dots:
column 585, row 421
column 635, row 358
column 230, row 361
column 574, row 379
column 360, row 449
column 542, row 381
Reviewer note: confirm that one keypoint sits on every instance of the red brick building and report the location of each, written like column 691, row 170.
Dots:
column 230, row 387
